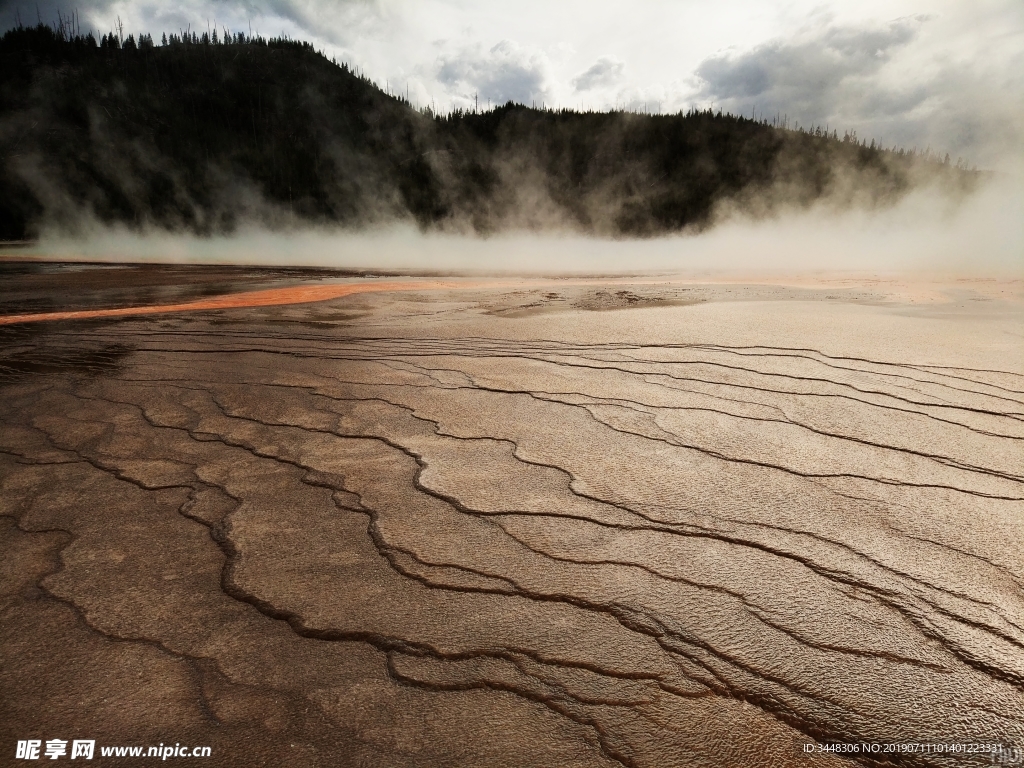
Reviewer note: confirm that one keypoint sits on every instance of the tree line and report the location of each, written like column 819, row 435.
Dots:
column 208, row 131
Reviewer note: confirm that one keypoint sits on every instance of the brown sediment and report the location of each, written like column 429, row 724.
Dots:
column 493, row 527
column 269, row 297
column 855, row 287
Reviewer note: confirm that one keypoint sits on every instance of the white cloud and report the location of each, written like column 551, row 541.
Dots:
column 504, row 73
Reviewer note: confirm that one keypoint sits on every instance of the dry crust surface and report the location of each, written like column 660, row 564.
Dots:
column 641, row 523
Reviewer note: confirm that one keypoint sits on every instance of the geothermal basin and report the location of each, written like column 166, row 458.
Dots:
column 307, row 518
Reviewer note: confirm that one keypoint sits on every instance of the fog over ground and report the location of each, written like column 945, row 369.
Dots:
column 926, row 232
column 919, row 73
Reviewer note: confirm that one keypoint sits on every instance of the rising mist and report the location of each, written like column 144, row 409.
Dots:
column 211, row 137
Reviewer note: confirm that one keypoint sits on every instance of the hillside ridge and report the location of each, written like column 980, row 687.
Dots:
column 204, row 134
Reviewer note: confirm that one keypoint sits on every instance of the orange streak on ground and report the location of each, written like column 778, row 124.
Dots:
column 299, row 294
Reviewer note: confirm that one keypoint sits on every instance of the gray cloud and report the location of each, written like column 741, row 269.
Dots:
column 807, row 77
column 605, row 72
column 856, row 77
column 344, row 18
column 334, row 21
column 504, row 73
column 29, row 12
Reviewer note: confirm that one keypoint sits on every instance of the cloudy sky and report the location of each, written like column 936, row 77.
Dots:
column 944, row 73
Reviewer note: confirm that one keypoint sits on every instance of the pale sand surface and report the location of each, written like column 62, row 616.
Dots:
column 648, row 522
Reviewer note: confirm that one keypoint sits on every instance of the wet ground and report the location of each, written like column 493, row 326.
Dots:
column 630, row 524
column 33, row 287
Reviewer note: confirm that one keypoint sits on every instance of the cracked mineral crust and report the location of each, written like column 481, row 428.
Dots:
column 635, row 525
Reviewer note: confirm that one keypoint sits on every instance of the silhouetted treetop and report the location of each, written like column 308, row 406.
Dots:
column 206, row 131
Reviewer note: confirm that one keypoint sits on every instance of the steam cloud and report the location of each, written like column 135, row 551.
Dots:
column 983, row 236
column 926, row 230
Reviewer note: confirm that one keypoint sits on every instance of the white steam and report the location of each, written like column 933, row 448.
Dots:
column 926, row 231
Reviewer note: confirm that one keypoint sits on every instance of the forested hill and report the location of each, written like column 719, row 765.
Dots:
column 206, row 133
